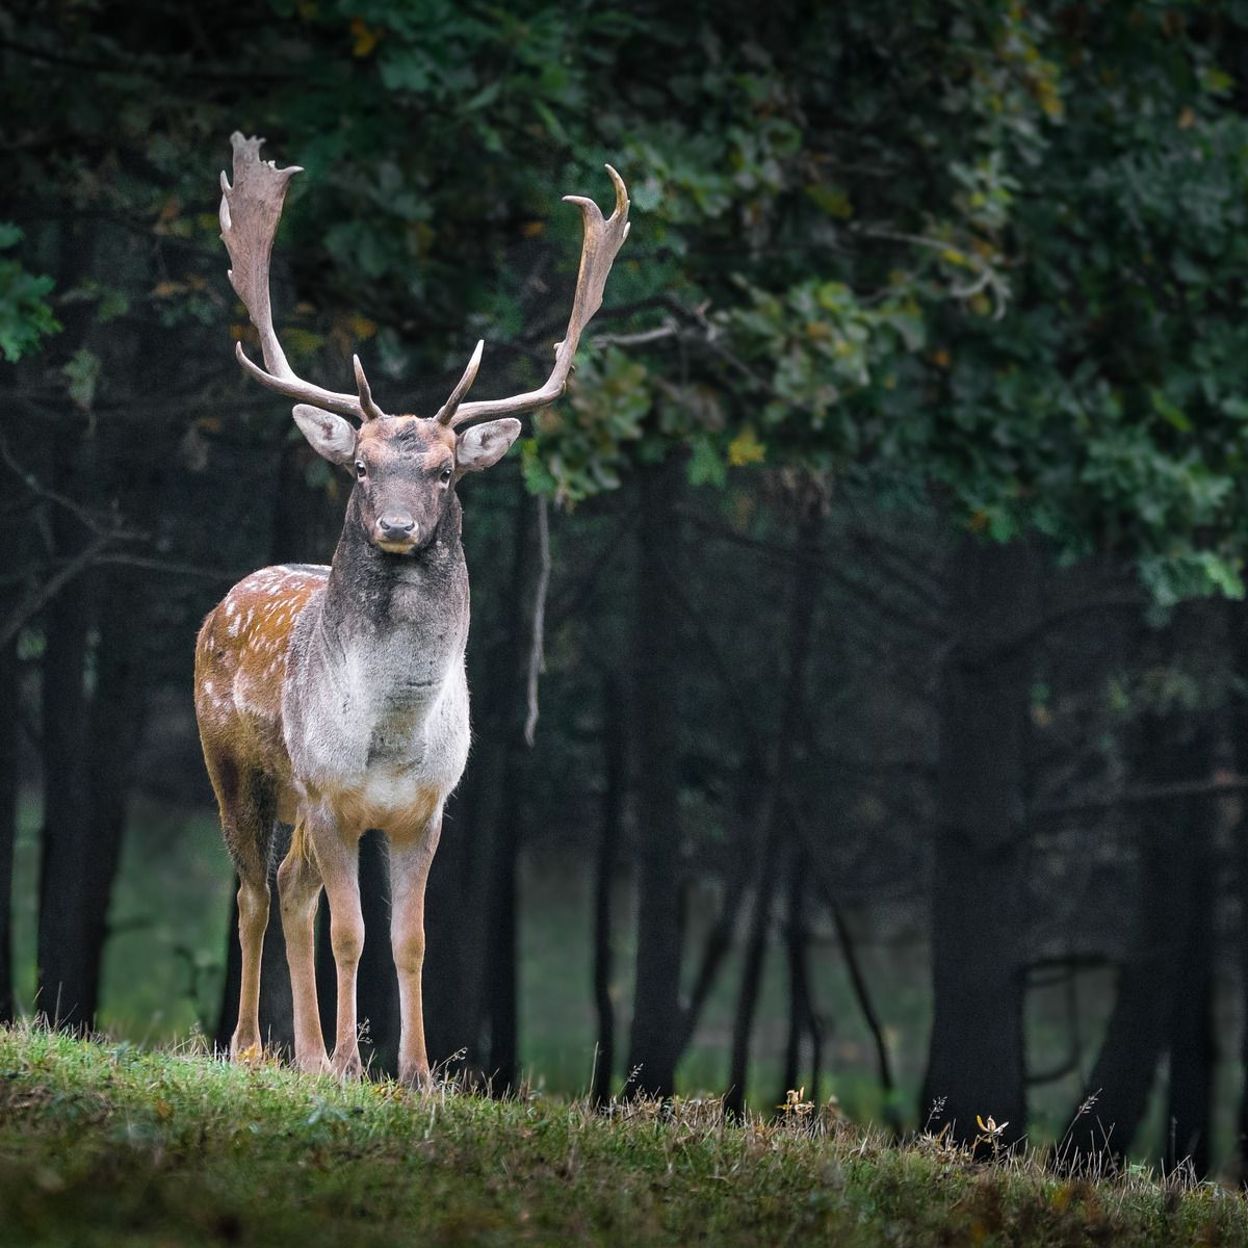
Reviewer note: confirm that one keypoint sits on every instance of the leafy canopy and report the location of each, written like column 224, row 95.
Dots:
column 996, row 251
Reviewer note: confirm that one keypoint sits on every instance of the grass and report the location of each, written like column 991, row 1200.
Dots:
column 108, row 1144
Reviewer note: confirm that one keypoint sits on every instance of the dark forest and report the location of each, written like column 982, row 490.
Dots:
column 859, row 658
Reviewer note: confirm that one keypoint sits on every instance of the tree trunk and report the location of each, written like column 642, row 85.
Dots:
column 1237, row 621
column 1189, row 1117
column 740, row 859
column 14, row 536
column 752, row 973
column 1164, row 986
column 976, row 1057
column 653, row 1052
column 1136, row 1036
column 66, row 995
column 458, row 900
column 231, row 985
column 803, row 1020
column 803, row 595
column 615, row 771
column 1193, row 1054
column 117, row 714
column 502, row 964
column 65, row 959
column 9, row 720
column 504, row 808
column 377, row 982
column 454, row 928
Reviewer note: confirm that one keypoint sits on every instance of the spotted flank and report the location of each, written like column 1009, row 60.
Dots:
column 244, row 643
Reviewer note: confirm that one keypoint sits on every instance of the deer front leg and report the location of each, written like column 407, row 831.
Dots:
column 338, row 859
column 410, row 859
column 299, row 888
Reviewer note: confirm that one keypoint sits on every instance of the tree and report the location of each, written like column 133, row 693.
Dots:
column 654, row 1046
column 976, row 1059
column 803, row 594
column 1163, row 1005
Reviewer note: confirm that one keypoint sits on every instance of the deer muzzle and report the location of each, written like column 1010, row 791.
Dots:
column 397, row 532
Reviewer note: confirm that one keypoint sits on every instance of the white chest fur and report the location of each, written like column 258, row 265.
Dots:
column 378, row 721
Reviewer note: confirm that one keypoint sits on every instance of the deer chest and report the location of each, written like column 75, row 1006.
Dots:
column 382, row 724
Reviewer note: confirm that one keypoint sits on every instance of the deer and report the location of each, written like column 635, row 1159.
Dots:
column 334, row 699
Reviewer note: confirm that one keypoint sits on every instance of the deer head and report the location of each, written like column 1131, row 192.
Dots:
column 405, row 466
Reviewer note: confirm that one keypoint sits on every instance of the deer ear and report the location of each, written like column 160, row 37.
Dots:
column 481, row 446
column 331, row 437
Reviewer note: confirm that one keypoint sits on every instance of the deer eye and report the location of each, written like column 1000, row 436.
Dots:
column 445, row 478
column 361, row 471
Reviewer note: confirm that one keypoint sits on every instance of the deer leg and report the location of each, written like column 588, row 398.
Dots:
column 338, row 858
column 299, row 888
column 247, row 824
column 253, row 919
column 410, row 860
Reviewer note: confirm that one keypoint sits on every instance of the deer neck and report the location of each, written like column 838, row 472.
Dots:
column 376, row 686
column 398, row 623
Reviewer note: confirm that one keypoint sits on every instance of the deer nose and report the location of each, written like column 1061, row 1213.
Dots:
column 396, row 526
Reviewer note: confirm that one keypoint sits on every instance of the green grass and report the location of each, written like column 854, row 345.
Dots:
column 108, row 1144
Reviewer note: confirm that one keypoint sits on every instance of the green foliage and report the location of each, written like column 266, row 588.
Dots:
column 817, row 346
column 997, row 250
column 582, row 445
column 25, row 316
column 100, row 1142
column 1100, row 408
column 82, row 376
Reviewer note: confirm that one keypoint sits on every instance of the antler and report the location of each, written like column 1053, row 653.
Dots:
column 603, row 239
column 250, row 211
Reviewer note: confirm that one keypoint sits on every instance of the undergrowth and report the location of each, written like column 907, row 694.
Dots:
column 109, row 1144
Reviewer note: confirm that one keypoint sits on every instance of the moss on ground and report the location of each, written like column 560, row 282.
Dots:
column 103, row 1144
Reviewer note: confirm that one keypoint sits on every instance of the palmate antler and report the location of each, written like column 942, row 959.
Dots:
column 250, row 211
column 603, row 240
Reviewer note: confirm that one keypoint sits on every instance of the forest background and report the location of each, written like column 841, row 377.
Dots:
column 884, row 561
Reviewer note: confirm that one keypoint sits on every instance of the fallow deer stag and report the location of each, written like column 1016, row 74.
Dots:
column 334, row 698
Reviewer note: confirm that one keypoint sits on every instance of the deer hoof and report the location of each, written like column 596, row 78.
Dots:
column 313, row 1063
column 348, row 1065
column 418, row 1078
column 246, row 1050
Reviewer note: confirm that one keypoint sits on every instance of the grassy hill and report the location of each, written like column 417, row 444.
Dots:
column 105, row 1144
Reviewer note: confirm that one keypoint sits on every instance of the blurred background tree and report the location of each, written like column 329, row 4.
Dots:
column 888, row 734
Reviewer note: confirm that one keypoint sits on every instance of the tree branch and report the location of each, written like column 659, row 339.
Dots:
column 536, row 656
